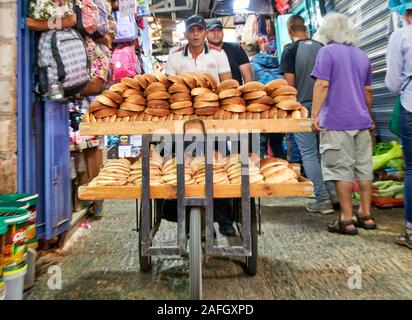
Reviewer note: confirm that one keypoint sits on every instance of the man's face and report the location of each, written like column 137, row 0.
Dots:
column 196, row 36
column 215, row 36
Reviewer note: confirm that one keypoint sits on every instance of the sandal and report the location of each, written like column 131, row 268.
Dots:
column 360, row 222
column 404, row 239
column 340, row 226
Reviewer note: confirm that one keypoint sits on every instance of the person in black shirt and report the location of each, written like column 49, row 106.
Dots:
column 238, row 59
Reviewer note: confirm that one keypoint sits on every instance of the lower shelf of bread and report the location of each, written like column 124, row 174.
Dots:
column 302, row 189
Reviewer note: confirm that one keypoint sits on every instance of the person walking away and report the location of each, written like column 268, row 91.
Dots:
column 341, row 112
column 298, row 61
column 398, row 79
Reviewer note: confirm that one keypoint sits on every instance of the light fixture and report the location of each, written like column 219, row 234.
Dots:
column 240, row 5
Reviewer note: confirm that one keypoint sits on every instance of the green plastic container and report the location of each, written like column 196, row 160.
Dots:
column 13, row 200
column 14, row 250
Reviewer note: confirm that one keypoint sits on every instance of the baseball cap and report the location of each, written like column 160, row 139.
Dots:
column 195, row 21
column 214, row 23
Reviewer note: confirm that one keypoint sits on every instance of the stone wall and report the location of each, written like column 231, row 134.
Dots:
column 8, row 96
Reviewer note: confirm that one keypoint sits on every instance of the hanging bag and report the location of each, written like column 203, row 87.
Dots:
column 44, row 15
column 103, row 21
column 394, row 126
column 87, row 17
column 126, row 29
column 124, row 63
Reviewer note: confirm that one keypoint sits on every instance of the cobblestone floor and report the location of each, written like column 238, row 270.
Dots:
column 298, row 259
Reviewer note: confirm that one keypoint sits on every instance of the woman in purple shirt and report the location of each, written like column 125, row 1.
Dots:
column 342, row 114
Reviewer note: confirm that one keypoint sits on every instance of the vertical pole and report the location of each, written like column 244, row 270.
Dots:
column 146, row 212
column 244, row 153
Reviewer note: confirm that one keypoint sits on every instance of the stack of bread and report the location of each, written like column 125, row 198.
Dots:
column 169, row 173
column 114, row 173
column 199, row 168
column 158, row 107
column 277, row 171
column 258, row 102
column 233, row 167
column 135, row 178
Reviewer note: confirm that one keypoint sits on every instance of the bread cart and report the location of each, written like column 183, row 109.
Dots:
column 197, row 198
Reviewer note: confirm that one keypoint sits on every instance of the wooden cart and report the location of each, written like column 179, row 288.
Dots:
column 198, row 198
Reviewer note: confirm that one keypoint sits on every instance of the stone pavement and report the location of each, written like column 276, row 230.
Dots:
column 298, row 259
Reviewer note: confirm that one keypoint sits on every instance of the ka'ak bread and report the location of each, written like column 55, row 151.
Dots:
column 273, row 113
column 161, row 95
column 125, row 113
column 242, row 116
column 183, row 111
column 280, row 99
column 263, row 100
column 304, row 114
column 150, row 78
column 238, row 108
column 158, row 104
column 140, row 117
column 276, row 84
column 176, row 79
column 179, row 88
column 142, row 82
column 106, row 101
column 162, row 79
column 189, row 80
column 252, row 86
column 86, row 117
column 113, row 95
column 284, row 91
column 227, row 115
column 264, row 115
column 229, row 93
column 282, row 114
column 296, row 114
column 106, row 112
column 181, row 105
column 132, row 83
column 92, row 118
column 219, row 114
column 289, row 105
column 206, row 104
column 281, row 176
column 154, row 87
column 119, row 87
column 233, row 100
column 206, row 111
column 207, row 97
column 200, row 91
column 200, row 79
column 157, row 112
column 178, row 117
column 136, row 99
column 132, row 107
column 178, row 97
column 227, row 84
column 211, row 81
column 257, row 107
column 131, row 92
column 271, row 162
column 254, row 95
column 96, row 106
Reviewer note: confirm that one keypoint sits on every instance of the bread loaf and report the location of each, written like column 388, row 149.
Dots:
column 207, row 97
column 276, row 84
column 142, row 81
column 154, row 87
column 176, row 79
column 131, row 83
column 106, row 101
column 254, row 95
column 160, row 95
column 181, row 105
column 233, row 100
column 206, row 111
column 252, row 86
column 177, row 97
column 279, row 99
column 132, row 107
column 106, row 112
column 136, row 99
column 113, row 95
column 158, row 104
column 289, row 105
column 283, row 91
column 211, row 81
column 157, row 112
column 131, row 92
column 205, row 104
column 238, row 108
column 95, row 106
column 229, row 93
column 150, row 78
column 227, row 84
column 263, row 100
column 200, row 91
column 179, row 88
column 183, row 111
column 257, row 107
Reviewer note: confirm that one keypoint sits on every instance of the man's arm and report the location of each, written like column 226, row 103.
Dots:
column 290, row 78
column 369, row 100
column 320, row 92
column 394, row 61
column 225, row 76
column 246, row 72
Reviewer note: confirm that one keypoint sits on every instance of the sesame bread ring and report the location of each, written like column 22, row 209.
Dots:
column 106, row 101
column 157, row 112
column 86, row 117
column 287, row 90
column 254, row 95
column 233, row 100
column 136, row 99
column 176, row 79
column 150, row 78
column 106, row 112
column 119, row 87
column 206, row 111
column 200, row 91
column 289, row 105
column 229, row 93
column 158, row 104
column 249, row 115
column 132, row 107
column 206, row 104
column 178, row 88
column 264, row 115
column 242, row 116
column 183, row 111
column 154, row 87
column 200, row 79
column 140, row 117
column 186, row 117
column 177, row 97
column 162, row 79
column 256, row 115
column 252, row 86
column 113, row 95
column 273, row 113
column 276, row 84
column 207, row 97
column 181, row 105
column 131, row 83
column 170, row 117
column 237, row 108
column 282, row 114
column 263, row 100
column 296, row 114
column 177, row 117
column 189, row 80
column 142, row 81
column 227, row 115
column 147, row 116
column 279, row 99
column 96, row 106
column 257, row 107
column 219, row 114
column 235, row 116
column 160, row 95
column 211, row 80
column 121, row 113
column 130, row 92
column 227, row 84
column 304, row 114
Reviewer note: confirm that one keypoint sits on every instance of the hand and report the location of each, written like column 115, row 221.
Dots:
column 373, row 126
column 316, row 124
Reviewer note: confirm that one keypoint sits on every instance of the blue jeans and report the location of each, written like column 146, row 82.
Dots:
column 309, row 150
column 406, row 136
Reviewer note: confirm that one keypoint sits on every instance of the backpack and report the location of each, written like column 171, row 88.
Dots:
column 45, row 9
column 87, row 17
column 126, row 30
column 124, row 61
column 63, row 58
column 99, row 62
column 103, row 21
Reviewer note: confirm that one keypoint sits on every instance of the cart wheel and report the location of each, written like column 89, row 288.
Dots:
column 144, row 261
column 195, row 254
column 251, row 262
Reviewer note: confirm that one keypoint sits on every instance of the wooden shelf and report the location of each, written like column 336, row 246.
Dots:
column 302, row 189
column 212, row 126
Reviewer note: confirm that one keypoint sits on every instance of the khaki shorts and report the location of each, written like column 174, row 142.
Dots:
column 346, row 155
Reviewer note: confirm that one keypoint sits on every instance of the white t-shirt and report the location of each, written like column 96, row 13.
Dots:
column 212, row 60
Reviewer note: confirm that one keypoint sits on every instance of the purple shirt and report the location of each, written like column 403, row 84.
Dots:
column 348, row 70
